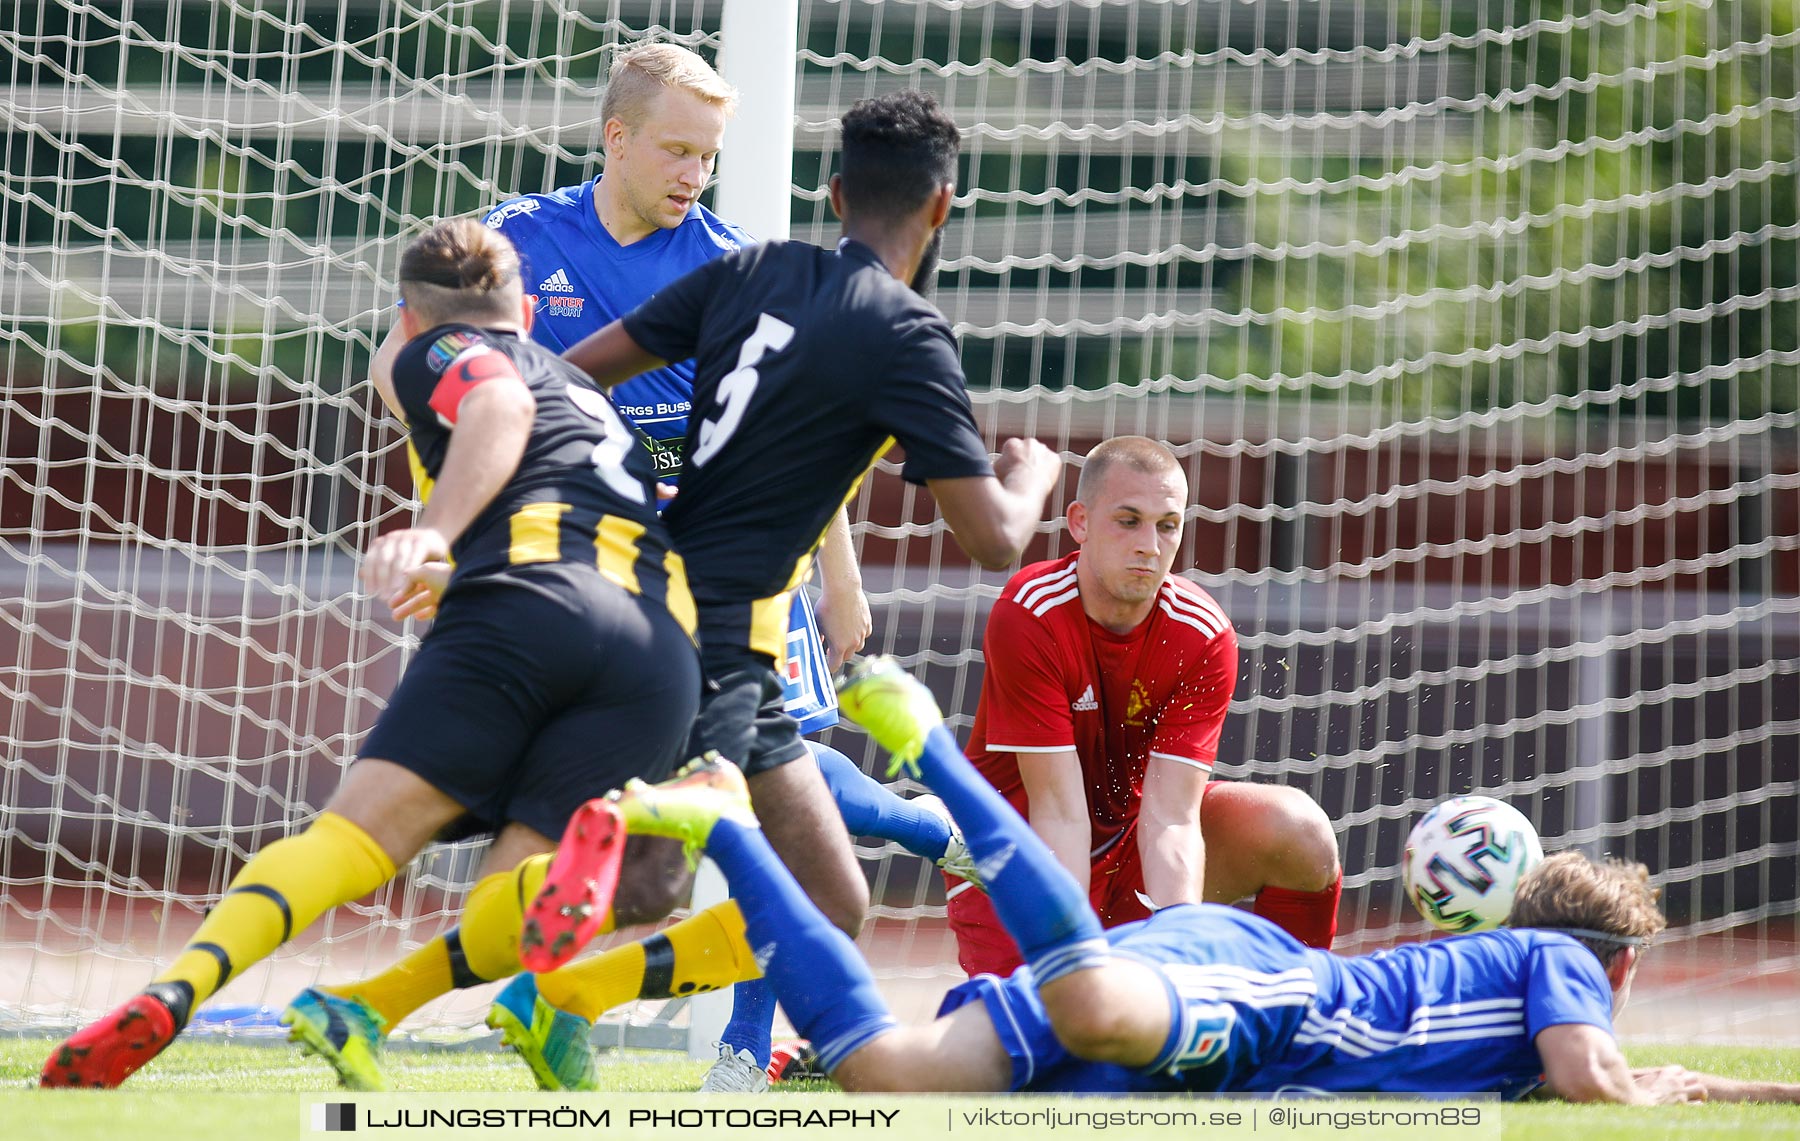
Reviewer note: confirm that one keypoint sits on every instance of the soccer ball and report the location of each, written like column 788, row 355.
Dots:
column 1464, row 861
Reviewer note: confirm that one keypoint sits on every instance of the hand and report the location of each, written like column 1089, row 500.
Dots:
column 1669, row 1085
column 419, row 597
column 665, row 491
column 391, row 560
column 845, row 624
column 1038, row 464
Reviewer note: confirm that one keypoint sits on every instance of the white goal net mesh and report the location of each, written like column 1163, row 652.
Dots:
column 1476, row 323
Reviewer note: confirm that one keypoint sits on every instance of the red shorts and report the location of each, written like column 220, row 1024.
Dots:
column 984, row 947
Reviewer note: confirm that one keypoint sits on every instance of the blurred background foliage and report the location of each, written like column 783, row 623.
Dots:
column 1601, row 214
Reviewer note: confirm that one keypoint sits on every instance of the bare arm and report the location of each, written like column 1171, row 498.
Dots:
column 1583, row 1063
column 611, row 356
column 843, row 611
column 994, row 517
column 1059, row 808
column 493, row 425
column 1716, row 1088
column 1169, row 840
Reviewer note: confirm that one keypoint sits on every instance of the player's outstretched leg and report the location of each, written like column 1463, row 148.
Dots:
column 483, row 947
column 704, row 952
column 571, row 906
column 281, row 890
column 921, row 825
column 1039, row 903
column 681, row 808
column 813, row 967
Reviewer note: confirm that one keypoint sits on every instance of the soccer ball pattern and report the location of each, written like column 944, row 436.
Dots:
column 1464, row 860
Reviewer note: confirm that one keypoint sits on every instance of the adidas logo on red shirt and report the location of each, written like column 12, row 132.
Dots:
column 1085, row 703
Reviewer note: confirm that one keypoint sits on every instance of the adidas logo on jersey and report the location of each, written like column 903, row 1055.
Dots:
column 1085, row 703
column 557, row 282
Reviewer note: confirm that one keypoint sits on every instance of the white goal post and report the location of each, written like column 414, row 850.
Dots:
column 1476, row 325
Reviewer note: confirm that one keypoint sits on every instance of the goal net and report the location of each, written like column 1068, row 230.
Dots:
column 1477, row 326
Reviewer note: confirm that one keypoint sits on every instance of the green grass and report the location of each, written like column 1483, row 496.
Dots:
column 204, row 1089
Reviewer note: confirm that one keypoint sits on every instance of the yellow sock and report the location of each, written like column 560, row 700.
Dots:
column 408, row 984
column 279, row 892
column 482, row 948
column 492, row 917
column 703, row 952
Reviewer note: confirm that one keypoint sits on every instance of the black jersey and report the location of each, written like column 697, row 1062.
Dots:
column 809, row 364
column 584, row 492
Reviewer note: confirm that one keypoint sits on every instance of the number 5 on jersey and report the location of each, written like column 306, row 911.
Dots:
column 735, row 389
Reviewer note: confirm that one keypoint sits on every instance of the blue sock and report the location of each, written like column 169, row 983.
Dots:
column 1040, row 905
column 812, row 967
column 752, row 1024
column 869, row 809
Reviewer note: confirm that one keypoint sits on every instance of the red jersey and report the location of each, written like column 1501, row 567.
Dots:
column 1056, row 681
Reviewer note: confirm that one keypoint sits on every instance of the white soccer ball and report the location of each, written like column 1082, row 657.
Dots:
column 1464, row 861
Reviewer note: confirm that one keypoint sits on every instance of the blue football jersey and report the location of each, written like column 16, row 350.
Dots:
column 584, row 280
column 1255, row 1010
column 1458, row 1015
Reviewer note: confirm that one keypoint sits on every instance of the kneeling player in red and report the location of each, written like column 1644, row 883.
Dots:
column 1107, row 683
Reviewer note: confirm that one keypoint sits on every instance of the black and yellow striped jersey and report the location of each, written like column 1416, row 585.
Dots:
column 809, row 364
column 584, row 492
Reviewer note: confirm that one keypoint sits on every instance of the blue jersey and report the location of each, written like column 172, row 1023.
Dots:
column 1257, row 1011
column 584, row 280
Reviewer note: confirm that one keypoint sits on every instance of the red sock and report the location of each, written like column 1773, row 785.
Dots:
column 1309, row 916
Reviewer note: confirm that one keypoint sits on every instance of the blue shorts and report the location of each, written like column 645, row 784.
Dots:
column 1237, row 985
column 1039, row 1061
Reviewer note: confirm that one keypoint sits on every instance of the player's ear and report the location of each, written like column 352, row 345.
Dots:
column 527, row 310
column 612, row 136
column 940, row 205
column 1620, row 970
column 409, row 322
column 837, row 196
column 1078, row 521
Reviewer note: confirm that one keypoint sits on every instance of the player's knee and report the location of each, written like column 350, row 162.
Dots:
column 1304, row 845
column 847, row 908
column 653, row 881
column 875, row 1069
column 1090, row 1029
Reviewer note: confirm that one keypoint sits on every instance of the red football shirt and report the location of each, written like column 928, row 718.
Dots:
column 1056, row 680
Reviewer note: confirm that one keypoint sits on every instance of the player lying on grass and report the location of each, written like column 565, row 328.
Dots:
column 1198, row 997
column 565, row 584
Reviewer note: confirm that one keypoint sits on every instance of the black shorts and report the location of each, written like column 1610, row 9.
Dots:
column 535, row 693
column 742, row 709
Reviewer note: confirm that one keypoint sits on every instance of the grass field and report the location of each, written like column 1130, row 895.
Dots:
column 216, row 1090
